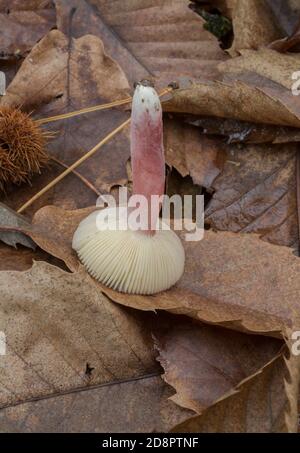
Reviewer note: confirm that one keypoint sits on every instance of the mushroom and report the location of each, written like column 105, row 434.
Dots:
column 136, row 261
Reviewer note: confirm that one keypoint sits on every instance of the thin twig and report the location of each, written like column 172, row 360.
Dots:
column 73, row 166
column 83, row 179
column 94, row 108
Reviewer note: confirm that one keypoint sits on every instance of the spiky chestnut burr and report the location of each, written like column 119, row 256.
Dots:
column 22, row 147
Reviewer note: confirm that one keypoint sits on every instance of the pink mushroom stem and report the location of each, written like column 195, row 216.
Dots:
column 147, row 151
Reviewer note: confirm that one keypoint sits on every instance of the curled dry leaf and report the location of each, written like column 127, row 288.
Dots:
column 267, row 402
column 265, row 412
column 71, row 337
column 67, row 76
column 256, row 87
column 234, row 280
column 136, row 405
column 256, row 192
column 206, row 364
column 152, row 38
column 266, row 63
column 192, row 153
column 9, row 218
column 22, row 25
column 19, row 258
column 254, row 25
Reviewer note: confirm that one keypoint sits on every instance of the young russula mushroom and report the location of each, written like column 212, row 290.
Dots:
column 150, row 259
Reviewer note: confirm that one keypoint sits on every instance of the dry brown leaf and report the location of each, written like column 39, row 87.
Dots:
column 8, row 217
column 137, row 405
column 256, row 193
column 64, row 323
column 235, row 280
column 22, row 25
column 256, row 87
column 265, row 402
column 22, row 258
column 69, row 76
column 70, row 338
column 265, row 411
column 254, row 25
column 206, row 364
column 267, row 63
column 192, row 153
column 156, row 38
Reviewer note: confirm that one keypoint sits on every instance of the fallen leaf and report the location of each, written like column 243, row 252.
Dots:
column 136, row 405
column 73, row 347
column 234, row 280
column 22, row 258
column 265, row 402
column 152, row 38
column 256, row 87
column 206, row 364
column 267, row 63
column 65, row 323
column 22, row 26
column 67, row 77
column 192, row 153
column 10, row 218
column 256, row 193
column 260, row 406
column 254, row 25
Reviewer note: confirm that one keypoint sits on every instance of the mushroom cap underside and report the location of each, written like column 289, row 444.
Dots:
column 129, row 261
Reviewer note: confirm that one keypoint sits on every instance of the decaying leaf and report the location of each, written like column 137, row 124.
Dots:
column 152, row 38
column 10, row 218
column 254, row 25
column 234, row 280
column 135, row 405
column 192, row 153
column 256, row 87
column 22, row 258
column 256, row 192
column 265, row 402
column 272, row 66
column 206, row 364
column 23, row 24
column 260, row 406
column 71, row 337
column 64, row 323
column 69, row 76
